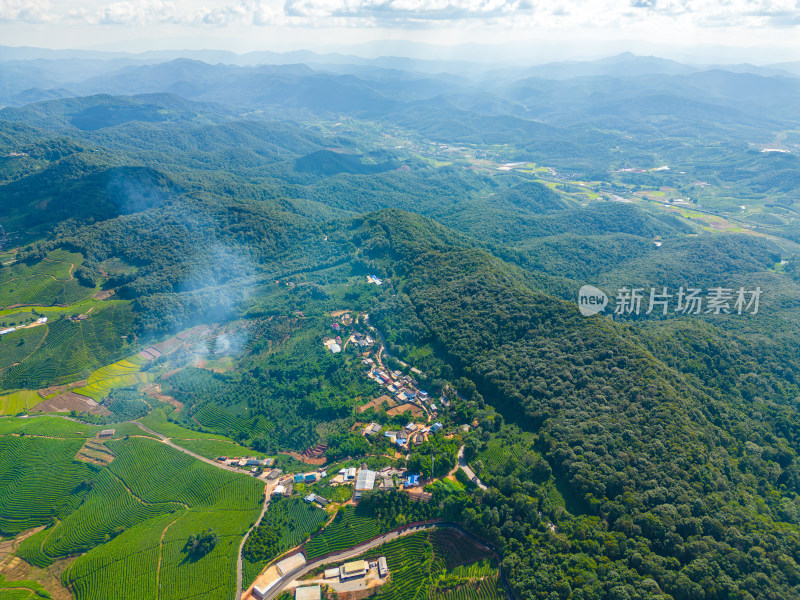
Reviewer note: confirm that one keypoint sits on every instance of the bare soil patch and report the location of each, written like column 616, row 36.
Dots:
column 95, row 452
column 154, row 391
column 71, row 401
column 305, row 459
column 404, row 408
column 377, row 403
column 58, row 389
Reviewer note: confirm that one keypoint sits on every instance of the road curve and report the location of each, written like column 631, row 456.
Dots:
column 360, row 549
column 341, row 556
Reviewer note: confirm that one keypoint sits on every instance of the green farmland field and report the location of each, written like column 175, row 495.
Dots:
column 287, row 523
column 101, row 389
column 17, row 346
column 49, row 426
column 346, row 530
column 421, row 567
column 157, row 421
column 121, row 374
column 46, row 283
column 20, row 401
column 62, row 351
column 123, row 519
column 212, row 448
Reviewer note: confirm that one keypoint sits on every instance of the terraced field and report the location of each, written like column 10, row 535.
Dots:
column 39, row 481
column 219, row 419
column 55, row 427
column 347, row 530
column 67, row 351
column 285, row 525
column 420, row 567
column 47, row 282
column 20, row 590
column 121, row 374
column 157, row 421
column 20, row 401
column 16, row 346
column 131, row 518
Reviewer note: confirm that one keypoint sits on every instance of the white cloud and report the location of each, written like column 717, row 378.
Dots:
column 399, row 14
column 26, row 11
column 141, row 12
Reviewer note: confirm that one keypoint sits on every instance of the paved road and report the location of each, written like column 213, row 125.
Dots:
column 340, row 557
column 462, row 462
column 360, row 549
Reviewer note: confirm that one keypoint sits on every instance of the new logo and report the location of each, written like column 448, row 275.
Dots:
column 591, row 300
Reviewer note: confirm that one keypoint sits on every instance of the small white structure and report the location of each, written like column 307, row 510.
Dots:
column 365, row 482
column 383, row 567
column 335, row 348
column 310, row 592
column 290, row 563
column 332, row 573
column 279, row 490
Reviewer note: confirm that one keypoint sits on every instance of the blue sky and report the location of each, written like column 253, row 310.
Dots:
column 773, row 26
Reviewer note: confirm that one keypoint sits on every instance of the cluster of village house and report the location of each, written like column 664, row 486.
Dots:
column 403, row 388
column 334, row 344
column 362, row 479
column 250, row 463
column 413, row 434
column 346, row 572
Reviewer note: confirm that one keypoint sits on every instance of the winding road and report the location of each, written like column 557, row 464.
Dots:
column 286, row 579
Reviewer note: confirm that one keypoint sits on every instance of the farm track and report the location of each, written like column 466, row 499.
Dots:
column 161, row 554
column 71, row 276
column 165, row 440
column 239, row 567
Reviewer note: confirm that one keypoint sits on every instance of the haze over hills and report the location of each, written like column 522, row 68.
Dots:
column 263, row 255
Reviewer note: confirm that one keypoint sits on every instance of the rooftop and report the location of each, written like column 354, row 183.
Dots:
column 356, row 566
column 290, row 563
column 311, row 592
column 365, row 480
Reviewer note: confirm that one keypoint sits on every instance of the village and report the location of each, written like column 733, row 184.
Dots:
column 403, row 391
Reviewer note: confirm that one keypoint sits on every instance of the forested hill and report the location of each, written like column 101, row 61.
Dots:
column 695, row 490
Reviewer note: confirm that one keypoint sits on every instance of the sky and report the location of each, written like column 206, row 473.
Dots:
column 764, row 31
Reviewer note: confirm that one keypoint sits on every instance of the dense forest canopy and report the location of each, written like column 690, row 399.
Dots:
column 180, row 243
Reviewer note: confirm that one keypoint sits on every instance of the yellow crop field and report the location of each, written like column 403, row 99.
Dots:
column 17, row 402
column 99, row 389
column 126, row 366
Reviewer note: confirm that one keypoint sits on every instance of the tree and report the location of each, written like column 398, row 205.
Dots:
column 201, row 544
